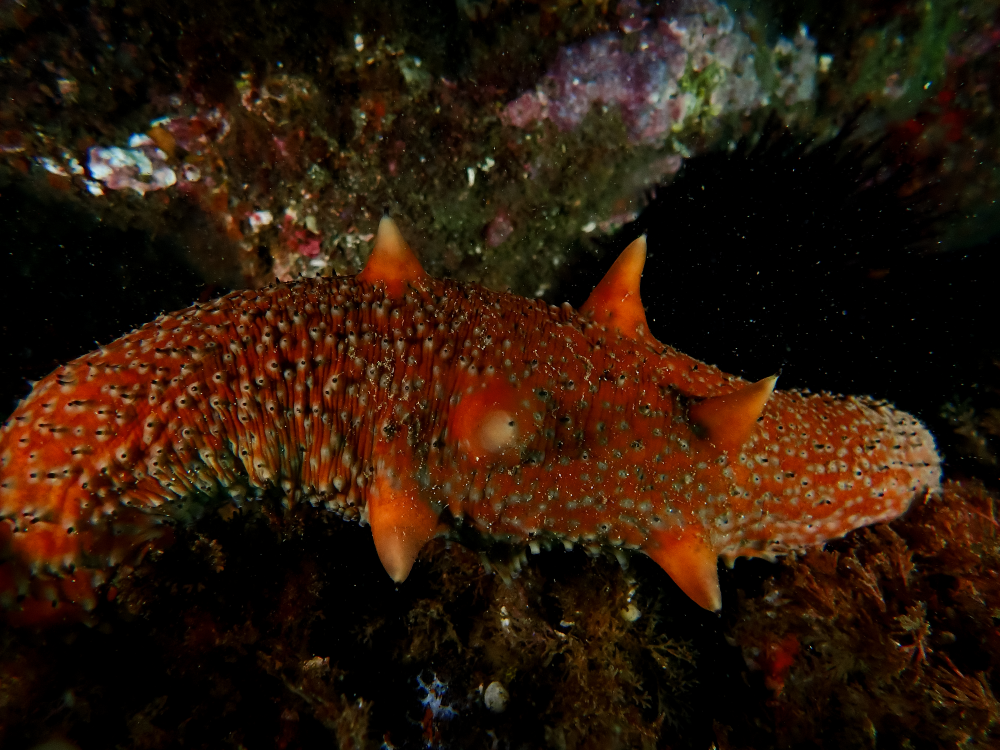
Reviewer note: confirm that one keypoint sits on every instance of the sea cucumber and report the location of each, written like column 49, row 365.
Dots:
column 416, row 405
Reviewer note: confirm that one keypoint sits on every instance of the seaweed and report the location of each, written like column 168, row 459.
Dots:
column 889, row 637
column 274, row 626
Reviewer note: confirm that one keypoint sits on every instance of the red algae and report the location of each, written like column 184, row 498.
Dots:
column 888, row 633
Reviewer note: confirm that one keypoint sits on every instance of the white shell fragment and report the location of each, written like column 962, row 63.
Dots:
column 495, row 697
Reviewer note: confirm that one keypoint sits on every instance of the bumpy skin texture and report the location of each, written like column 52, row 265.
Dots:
column 525, row 420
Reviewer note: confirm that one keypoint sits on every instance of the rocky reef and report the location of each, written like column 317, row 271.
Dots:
column 281, row 628
column 507, row 139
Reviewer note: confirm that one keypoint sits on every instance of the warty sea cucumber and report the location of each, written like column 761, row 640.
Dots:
column 415, row 404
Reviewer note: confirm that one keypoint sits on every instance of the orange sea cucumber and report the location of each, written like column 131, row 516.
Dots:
column 415, row 404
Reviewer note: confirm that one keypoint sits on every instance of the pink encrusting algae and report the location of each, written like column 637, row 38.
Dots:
column 695, row 65
column 392, row 397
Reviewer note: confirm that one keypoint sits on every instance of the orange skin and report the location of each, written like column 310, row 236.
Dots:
column 390, row 400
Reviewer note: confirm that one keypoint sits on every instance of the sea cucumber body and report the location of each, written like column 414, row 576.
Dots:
column 522, row 419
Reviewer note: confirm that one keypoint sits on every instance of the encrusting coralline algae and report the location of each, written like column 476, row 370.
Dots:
column 666, row 74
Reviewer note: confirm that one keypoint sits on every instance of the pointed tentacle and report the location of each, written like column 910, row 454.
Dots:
column 615, row 300
column 392, row 262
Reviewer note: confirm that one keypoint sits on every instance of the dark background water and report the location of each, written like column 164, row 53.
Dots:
column 72, row 283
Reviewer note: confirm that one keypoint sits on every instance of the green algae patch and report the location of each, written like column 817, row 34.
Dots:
column 903, row 63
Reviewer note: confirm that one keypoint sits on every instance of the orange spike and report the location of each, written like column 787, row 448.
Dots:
column 615, row 300
column 392, row 262
column 401, row 524
column 690, row 562
column 727, row 421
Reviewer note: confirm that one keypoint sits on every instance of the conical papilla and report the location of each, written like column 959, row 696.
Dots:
column 691, row 563
column 727, row 421
column 615, row 301
column 392, row 262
